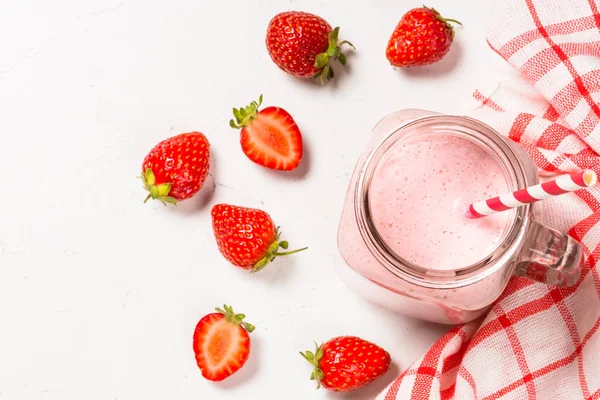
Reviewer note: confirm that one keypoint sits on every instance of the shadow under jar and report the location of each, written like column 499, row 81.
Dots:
column 404, row 233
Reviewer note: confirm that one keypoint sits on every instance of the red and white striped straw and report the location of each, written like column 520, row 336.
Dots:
column 563, row 184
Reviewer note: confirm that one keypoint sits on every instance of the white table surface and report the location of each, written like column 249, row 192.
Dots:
column 100, row 293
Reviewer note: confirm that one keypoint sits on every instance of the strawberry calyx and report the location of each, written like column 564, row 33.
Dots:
column 157, row 192
column 444, row 20
column 273, row 253
column 245, row 115
column 333, row 52
column 314, row 359
column 235, row 319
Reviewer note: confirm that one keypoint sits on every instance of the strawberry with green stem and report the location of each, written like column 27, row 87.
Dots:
column 422, row 37
column 176, row 168
column 304, row 45
column 347, row 363
column 247, row 237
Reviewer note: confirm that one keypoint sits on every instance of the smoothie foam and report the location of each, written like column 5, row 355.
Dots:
column 419, row 196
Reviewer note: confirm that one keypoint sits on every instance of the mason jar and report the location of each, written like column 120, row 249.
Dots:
column 388, row 275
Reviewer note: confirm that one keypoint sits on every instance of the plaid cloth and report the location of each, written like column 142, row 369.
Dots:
column 537, row 342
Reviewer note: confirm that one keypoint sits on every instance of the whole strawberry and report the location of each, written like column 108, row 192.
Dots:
column 303, row 45
column 221, row 343
column 269, row 137
column 247, row 237
column 421, row 37
column 175, row 169
column 347, row 363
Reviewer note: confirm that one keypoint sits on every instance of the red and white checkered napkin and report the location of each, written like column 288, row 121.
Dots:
column 537, row 342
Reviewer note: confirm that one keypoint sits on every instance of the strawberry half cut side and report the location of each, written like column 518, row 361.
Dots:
column 269, row 137
column 221, row 343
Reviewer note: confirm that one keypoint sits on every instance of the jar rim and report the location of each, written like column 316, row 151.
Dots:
column 475, row 131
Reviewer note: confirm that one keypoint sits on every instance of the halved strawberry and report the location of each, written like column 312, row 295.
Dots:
column 221, row 343
column 269, row 137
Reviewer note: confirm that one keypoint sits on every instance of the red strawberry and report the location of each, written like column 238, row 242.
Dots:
column 303, row 44
column 175, row 168
column 247, row 237
column 269, row 137
column 421, row 37
column 221, row 343
column 346, row 363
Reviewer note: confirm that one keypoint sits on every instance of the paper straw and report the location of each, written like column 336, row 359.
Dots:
column 563, row 184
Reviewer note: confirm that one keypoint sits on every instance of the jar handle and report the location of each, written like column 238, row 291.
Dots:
column 550, row 257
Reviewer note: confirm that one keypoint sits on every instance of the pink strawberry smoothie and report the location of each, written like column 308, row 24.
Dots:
column 419, row 196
